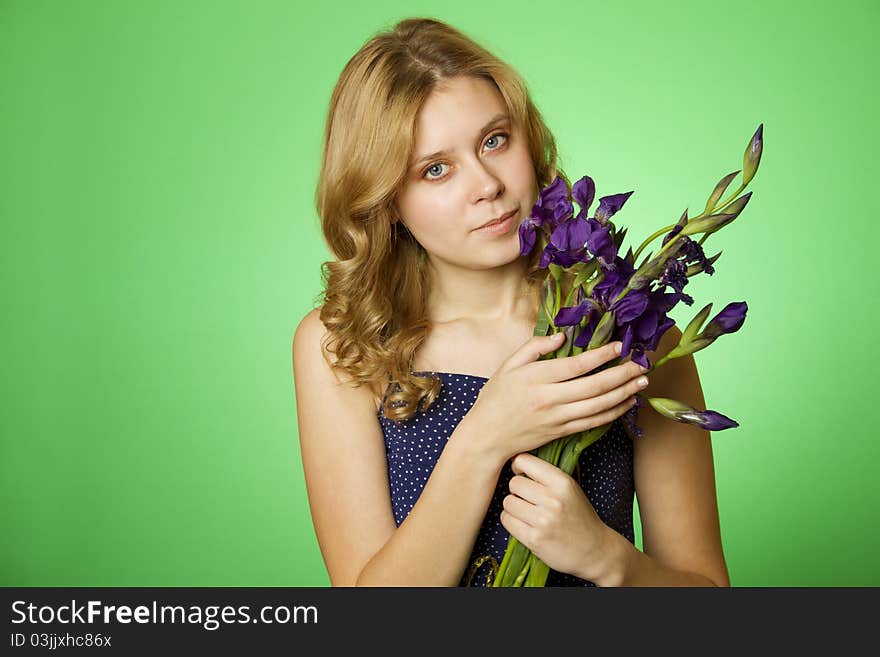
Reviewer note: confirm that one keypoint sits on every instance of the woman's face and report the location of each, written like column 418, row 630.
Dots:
column 484, row 172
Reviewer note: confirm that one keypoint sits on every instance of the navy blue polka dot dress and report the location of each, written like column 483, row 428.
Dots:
column 413, row 447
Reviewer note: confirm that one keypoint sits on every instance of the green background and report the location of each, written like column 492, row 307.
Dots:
column 160, row 245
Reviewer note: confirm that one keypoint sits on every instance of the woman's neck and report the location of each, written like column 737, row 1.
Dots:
column 497, row 295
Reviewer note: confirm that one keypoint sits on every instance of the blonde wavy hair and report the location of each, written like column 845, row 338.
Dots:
column 375, row 292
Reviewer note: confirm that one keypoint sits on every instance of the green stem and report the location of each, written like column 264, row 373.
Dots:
column 518, row 557
column 569, row 296
column 516, row 554
column 538, row 572
column 558, row 299
column 625, row 290
column 525, row 571
column 717, row 208
column 581, row 278
column 662, row 361
column 730, row 199
column 649, row 240
column 586, row 439
column 519, row 566
column 723, row 205
column 505, row 562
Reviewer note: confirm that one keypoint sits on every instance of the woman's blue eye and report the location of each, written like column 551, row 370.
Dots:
column 498, row 134
column 425, row 175
column 433, row 166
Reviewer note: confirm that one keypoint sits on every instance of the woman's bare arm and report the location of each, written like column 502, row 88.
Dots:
column 346, row 474
column 675, row 485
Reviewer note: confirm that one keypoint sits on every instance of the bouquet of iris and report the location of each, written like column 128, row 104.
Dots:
column 609, row 298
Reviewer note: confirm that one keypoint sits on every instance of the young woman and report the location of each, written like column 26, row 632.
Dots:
column 419, row 388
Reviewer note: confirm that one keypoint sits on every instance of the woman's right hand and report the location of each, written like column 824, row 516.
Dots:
column 528, row 402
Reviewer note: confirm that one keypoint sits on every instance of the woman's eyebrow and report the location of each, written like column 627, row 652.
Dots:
column 498, row 118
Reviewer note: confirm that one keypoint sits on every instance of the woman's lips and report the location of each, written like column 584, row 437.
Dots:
column 501, row 227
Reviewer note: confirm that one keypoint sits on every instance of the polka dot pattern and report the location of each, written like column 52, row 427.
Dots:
column 412, row 448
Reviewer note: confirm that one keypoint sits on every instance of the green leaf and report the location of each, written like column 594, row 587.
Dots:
column 695, row 325
column 719, row 190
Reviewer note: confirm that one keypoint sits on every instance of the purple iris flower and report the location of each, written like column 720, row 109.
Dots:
column 562, row 211
column 694, row 254
column 642, row 321
column 561, row 258
column 729, row 320
column 709, row 420
column 609, row 205
column 528, row 235
column 691, row 250
column 675, row 276
column 636, row 350
column 584, row 191
column 600, row 243
column 614, row 280
column 554, row 193
column 630, row 306
column 630, row 417
column 570, row 239
column 599, row 240
column 552, row 206
column 574, row 315
column 681, row 412
column 643, row 334
column 570, row 235
column 675, row 270
column 574, row 240
column 583, row 338
column 640, row 317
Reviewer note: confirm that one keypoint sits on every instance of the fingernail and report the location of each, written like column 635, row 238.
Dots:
column 642, row 381
column 618, row 347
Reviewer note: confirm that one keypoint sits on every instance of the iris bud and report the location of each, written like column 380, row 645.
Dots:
column 680, row 412
column 729, row 320
column 752, row 156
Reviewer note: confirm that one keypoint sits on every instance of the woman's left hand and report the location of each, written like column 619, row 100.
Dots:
column 548, row 512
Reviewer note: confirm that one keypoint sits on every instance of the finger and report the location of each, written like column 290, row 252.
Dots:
column 527, row 488
column 520, row 509
column 532, row 350
column 520, row 530
column 537, row 469
column 563, row 369
column 606, row 417
column 600, row 383
column 602, row 402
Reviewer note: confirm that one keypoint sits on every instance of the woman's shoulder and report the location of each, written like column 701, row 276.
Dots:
column 314, row 361
column 310, row 327
column 309, row 339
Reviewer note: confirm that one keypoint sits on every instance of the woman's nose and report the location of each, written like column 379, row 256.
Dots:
column 488, row 184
